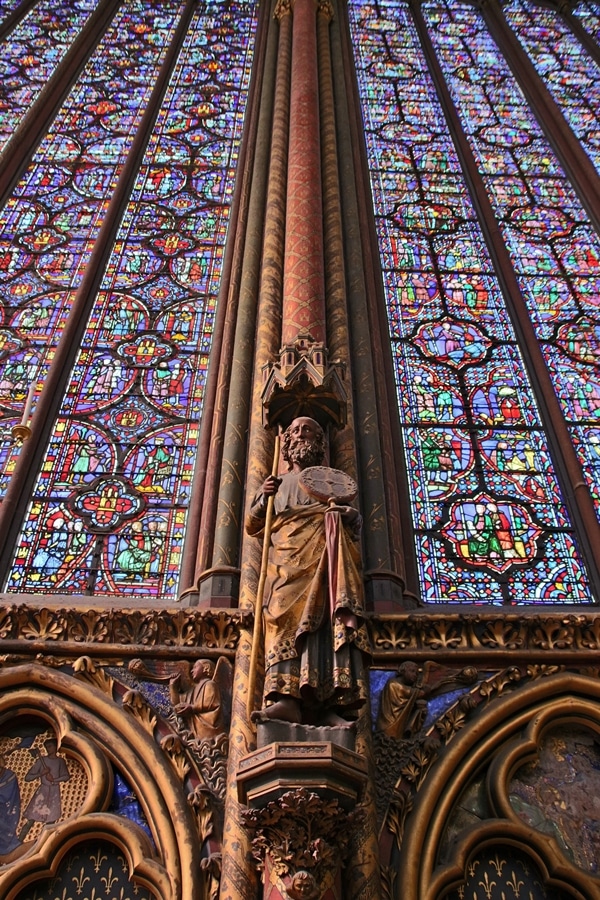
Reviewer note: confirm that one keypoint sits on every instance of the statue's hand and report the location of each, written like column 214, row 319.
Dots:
column 271, row 486
column 351, row 519
column 348, row 513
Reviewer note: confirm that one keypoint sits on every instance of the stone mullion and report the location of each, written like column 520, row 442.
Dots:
column 575, row 490
column 575, row 161
column 19, row 150
column 238, row 880
column 32, row 452
column 343, row 447
column 384, row 544
column 251, row 188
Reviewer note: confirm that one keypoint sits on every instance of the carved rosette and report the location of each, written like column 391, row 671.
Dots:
column 300, row 841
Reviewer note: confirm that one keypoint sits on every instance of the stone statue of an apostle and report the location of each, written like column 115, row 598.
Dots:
column 313, row 603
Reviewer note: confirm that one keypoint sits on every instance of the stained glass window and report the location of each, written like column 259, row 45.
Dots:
column 568, row 71
column 109, row 508
column 589, row 16
column 554, row 249
column 490, row 521
column 7, row 7
column 31, row 54
column 49, row 225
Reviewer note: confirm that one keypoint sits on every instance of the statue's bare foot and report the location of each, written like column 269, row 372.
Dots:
column 331, row 718
column 286, row 710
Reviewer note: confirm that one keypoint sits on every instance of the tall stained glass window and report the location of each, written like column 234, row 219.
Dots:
column 108, row 510
column 490, row 517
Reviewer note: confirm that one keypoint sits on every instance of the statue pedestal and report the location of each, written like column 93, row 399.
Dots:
column 331, row 771
column 301, row 793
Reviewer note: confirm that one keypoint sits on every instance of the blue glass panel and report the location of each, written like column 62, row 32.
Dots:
column 588, row 14
column 553, row 247
column 31, row 53
column 568, row 72
column 50, row 224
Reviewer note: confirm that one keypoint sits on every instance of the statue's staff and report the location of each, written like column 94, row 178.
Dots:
column 260, row 591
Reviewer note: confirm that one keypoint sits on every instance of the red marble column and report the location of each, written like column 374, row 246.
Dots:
column 303, row 277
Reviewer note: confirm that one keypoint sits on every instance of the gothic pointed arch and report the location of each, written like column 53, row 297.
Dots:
column 502, row 790
column 99, row 738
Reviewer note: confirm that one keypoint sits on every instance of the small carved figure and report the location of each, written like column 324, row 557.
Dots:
column 403, row 702
column 313, row 605
column 303, row 886
column 200, row 705
column 403, row 707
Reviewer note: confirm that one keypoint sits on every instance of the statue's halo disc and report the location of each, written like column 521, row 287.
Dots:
column 327, row 484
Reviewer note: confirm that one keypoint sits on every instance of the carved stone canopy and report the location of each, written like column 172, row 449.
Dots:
column 304, row 383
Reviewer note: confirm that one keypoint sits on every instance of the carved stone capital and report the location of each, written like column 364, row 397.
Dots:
column 299, row 842
column 325, row 9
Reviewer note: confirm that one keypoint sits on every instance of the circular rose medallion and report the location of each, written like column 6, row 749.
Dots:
column 145, row 350
column 454, row 343
column 107, row 503
column 492, row 533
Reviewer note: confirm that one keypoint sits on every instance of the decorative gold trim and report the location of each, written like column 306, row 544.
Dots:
column 540, row 848
column 92, row 726
column 485, row 635
column 126, row 835
column 190, row 633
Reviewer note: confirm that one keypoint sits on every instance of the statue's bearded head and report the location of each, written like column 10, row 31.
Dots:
column 303, row 443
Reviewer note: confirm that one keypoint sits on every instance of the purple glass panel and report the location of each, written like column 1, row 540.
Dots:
column 32, row 52
column 553, row 247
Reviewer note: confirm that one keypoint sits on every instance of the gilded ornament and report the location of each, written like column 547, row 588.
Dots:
column 87, row 670
column 135, row 703
column 172, row 747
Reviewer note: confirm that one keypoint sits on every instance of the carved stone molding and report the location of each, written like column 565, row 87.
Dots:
column 480, row 635
column 96, row 737
column 128, row 632
column 495, row 727
column 188, row 633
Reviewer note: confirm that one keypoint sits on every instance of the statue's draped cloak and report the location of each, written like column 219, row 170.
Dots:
column 313, row 613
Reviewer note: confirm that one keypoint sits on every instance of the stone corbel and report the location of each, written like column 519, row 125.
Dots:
column 300, row 841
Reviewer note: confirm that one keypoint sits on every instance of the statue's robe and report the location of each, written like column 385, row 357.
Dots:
column 313, row 609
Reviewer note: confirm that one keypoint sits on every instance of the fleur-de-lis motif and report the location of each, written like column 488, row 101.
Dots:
column 109, row 880
column 98, row 858
column 487, row 885
column 498, row 864
column 514, row 883
column 80, row 881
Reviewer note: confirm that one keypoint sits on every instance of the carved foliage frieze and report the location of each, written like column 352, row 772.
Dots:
column 214, row 630
column 487, row 632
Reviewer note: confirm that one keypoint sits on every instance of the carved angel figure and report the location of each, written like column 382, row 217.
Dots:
column 200, row 704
